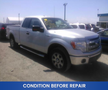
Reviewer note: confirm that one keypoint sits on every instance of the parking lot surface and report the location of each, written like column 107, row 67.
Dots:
column 21, row 65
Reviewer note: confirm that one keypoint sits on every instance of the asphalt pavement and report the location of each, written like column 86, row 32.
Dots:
column 21, row 65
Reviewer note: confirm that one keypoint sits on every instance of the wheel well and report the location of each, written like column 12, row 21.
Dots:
column 11, row 36
column 51, row 47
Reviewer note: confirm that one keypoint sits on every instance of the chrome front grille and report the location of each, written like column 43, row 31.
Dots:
column 93, row 44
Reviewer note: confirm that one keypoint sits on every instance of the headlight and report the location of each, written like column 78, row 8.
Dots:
column 79, row 46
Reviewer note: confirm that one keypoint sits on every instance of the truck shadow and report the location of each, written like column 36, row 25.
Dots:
column 91, row 72
column 105, row 50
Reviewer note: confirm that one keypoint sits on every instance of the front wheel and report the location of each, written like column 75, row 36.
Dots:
column 13, row 44
column 60, row 59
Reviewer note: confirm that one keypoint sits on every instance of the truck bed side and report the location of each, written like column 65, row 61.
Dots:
column 15, row 31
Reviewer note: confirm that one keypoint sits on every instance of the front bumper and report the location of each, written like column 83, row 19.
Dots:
column 79, row 60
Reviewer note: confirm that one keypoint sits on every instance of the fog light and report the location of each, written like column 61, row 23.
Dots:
column 83, row 61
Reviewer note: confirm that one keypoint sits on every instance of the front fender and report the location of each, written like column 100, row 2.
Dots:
column 61, row 42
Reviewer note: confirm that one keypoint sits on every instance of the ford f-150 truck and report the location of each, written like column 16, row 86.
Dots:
column 57, row 39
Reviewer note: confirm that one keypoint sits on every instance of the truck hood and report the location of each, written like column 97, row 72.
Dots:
column 74, row 33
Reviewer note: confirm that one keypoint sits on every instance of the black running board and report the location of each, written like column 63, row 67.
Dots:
column 32, row 51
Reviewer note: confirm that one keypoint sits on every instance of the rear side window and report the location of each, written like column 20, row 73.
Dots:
column 74, row 26
column 81, row 26
column 26, row 23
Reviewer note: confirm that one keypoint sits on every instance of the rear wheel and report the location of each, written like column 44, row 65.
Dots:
column 60, row 59
column 13, row 44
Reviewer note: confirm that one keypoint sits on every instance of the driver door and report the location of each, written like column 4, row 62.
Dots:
column 36, row 39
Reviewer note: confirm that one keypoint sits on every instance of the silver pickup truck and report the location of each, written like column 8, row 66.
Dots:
column 55, row 38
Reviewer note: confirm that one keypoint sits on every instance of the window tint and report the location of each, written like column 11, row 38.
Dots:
column 35, row 21
column 81, row 26
column 26, row 23
column 74, row 26
column 105, row 33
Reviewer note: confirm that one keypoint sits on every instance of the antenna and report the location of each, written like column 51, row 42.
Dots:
column 97, row 11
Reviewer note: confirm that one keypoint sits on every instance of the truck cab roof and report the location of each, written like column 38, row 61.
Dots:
column 40, row 17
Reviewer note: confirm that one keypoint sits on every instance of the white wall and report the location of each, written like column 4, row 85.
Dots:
column 103, row 18
column 13, row 20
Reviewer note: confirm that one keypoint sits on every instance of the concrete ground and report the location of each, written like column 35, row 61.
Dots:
column 21, row 65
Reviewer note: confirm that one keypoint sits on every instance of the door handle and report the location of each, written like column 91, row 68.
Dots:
column 27, row 33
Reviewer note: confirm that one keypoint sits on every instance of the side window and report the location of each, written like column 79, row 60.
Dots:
column 105, row 33
column 81, row 26
column 26, row 23
column 35, row 21
column 74, row 26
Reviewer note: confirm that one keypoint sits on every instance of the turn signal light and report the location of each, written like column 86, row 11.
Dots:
column 73, row 45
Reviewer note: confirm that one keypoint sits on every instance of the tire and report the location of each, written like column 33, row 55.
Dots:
column 95, row 62
column 13, row 44
column 60, row 59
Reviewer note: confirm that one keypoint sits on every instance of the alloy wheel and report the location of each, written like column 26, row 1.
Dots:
column 57, row 60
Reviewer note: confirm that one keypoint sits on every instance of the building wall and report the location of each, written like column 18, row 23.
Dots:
column 14, row 20
column 103, row 18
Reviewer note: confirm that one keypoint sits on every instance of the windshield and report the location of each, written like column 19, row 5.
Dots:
column 55, row 23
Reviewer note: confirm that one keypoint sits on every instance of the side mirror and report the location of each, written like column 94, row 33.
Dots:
column 37, row 28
